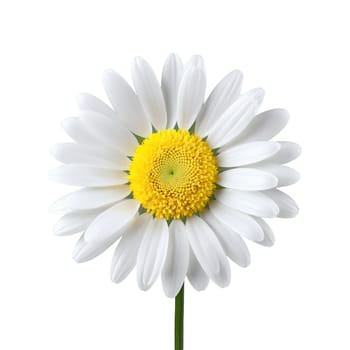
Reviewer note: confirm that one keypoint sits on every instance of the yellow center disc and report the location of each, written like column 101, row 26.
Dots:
column 173, row 174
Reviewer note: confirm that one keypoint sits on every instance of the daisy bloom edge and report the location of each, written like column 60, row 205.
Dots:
column 179, row 180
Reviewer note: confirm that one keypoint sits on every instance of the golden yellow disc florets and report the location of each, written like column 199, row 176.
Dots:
column 173, row 174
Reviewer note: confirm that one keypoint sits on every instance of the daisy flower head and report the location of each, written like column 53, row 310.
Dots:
column 178, row 180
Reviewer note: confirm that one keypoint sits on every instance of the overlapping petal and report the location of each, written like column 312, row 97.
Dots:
column 109, row 132
column 76, row 222
column 247, row 179
column 231, row 242
column 190, row 95
column 126, row 103
column 149, row 92
column 286, row 176
column 88, row 102
column 288, row 152
column 249, row 202
column 288, row 208
column 269, row 237
column 94, row 155
column 76, row 129
column 125, row 255
column 241, row 223
column 111, row 221
column 85, row 175
column 196, row 275
column 263, row 127
column 89, row 198
column 222, row 97
column 208, row 250
column 171, row 78
column 235, row 119
column 152, row 253
column 177, row 260
column 105, row 230
column 247, row 153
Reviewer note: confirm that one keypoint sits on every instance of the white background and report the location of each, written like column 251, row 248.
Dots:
column 294, row 295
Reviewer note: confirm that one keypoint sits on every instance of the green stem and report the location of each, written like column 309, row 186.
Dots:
column 179, row 319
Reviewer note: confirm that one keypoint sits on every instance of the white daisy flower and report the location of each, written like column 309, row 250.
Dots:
column 180, row 180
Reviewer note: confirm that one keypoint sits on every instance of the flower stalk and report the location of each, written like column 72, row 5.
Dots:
column 179, row 319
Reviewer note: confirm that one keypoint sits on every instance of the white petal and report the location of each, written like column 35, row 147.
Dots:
column 89, row 198
column 104, row 230
column 149, row 92
column 241, row 223
column 247, row 153
column 252, row 202
column 94, row 155
column 247, row 179
column 269, row 237
column 258, row 94
column 195, row 61
column 264, row 126
column 88, row 102
column 190, row 96
column 83, row 175
column 232, row 243
column 171, row 77
column 177, row 260
column 235, row 119
column 108, row 225
column 288, row 152
column 126, row 103
column 85, row 251
column 152, row 253
column 75, row 128
column 196, row 275
column 125, row 255
column 286, row 176
column 110, row 132
column 208, row 250
column 222, row 97
column 288, row 207
column 75, row 222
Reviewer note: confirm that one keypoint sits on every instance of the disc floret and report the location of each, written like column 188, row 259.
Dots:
column 173, row 174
